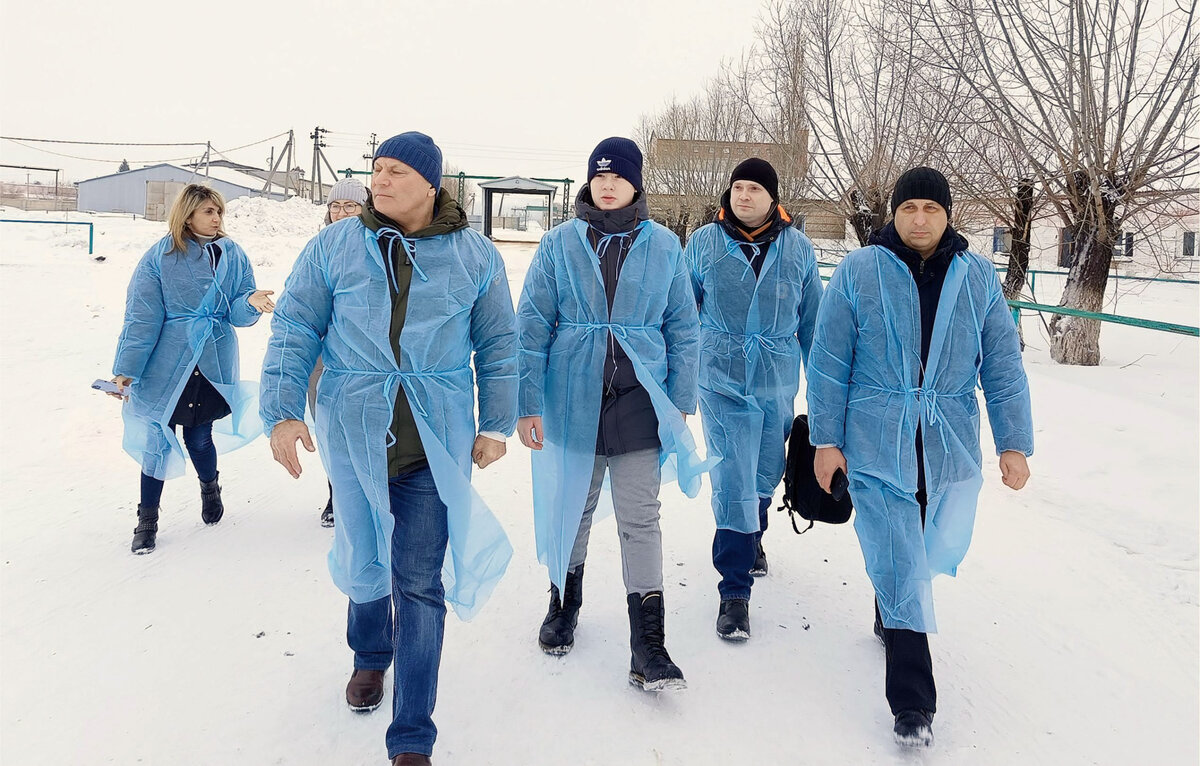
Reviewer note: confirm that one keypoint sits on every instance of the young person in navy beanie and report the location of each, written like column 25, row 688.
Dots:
column 620, row 156
column 591, row 354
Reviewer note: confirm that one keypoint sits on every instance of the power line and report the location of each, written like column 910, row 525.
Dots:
column 97, row 159
column 256, row 143
column 97, row 143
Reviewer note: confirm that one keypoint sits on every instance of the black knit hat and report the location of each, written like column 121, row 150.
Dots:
column 921, row 183
column 758, row 171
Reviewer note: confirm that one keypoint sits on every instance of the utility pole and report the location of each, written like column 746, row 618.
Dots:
column 290, row 165
column 286, row 152
column 318, row 194
column 371, row 157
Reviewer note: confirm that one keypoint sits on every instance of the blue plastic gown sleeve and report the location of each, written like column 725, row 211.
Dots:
column 493, row 336
column 828, row 368
column 810, row 303
column 681, row 330
column 691, row 256
column 145, row 313
column 1002, row 376
column 298, row 327
column 537, row 317
column 241, row 313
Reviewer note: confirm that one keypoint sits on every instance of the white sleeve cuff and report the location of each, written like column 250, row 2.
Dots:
column 496, row 435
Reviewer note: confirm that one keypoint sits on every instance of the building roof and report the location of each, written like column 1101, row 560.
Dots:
column 518, row 184
column 224, row 174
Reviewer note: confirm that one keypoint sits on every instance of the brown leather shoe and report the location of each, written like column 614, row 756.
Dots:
column 411, row 759
column 365, row 690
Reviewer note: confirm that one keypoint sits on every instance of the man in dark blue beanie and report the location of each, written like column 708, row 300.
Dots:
column 398, row 450
column 418, row 151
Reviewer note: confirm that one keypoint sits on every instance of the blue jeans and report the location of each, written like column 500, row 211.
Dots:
column 418, row 598
column 733, row 556
column 200, row 448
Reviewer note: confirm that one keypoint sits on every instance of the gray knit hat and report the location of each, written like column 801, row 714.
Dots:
column 349, row 188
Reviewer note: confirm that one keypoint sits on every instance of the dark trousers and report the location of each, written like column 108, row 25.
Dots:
column 909, row 680
column 734, row 554
column 200, row 448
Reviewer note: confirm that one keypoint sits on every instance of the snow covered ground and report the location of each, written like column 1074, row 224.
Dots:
column 1070, row 636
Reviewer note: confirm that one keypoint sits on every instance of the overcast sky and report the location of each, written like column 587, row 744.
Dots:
column 504, row 88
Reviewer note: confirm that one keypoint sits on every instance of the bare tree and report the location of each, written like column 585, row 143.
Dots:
column 843, row 71
column 684, row 180
column 1094, row 96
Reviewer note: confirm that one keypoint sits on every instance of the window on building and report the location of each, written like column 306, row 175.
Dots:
column 1189, row 244
column 1123, row 247
column 1066, row 248
column 1001, row 240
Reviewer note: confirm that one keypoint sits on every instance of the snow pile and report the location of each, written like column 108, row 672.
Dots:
column 269, row 230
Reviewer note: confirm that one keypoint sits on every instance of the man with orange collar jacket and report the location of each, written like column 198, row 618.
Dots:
column 757, row 289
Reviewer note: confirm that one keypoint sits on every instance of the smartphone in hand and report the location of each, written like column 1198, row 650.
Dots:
column 108, row 387
column 839, row 484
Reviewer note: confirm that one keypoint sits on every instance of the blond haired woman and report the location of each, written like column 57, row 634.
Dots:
column 177, row 357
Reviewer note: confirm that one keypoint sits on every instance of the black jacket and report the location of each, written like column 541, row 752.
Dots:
column 627, row 419
column 929, row 275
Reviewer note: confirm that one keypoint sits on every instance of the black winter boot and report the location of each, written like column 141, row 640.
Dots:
column 557, row 635
column 760, row 562
column 211, row 507
column 146, row 532
column 733, row 620
column 650, row 667
column 914, row 728
column 327, row 514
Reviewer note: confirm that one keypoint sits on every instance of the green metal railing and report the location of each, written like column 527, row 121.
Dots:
column 91, row 229
column 1149, row 324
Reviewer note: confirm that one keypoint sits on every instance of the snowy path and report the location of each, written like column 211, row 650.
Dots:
column 1069, row 637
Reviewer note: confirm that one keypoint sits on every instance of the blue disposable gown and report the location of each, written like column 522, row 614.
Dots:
column 754, row 332
column 180, row 315
column 564, row 326
column 337, row 304
column 866, row 396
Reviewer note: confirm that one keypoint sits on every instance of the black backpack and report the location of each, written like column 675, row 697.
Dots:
column 801, row 493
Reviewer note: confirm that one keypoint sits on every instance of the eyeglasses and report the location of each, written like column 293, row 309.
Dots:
column 346, row 207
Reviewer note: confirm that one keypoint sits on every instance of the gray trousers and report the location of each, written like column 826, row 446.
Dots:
column 635, row 478
column 312, row 388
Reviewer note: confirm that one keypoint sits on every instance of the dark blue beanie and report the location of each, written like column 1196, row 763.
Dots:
column 617, row 155
column 418, row 151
